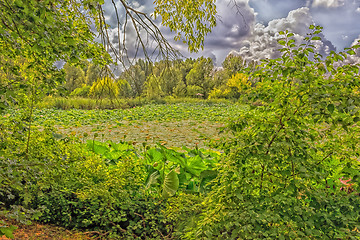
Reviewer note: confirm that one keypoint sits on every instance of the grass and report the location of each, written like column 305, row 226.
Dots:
column 119, row 103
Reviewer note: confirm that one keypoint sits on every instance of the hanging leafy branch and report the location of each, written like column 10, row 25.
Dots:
column 191, row 20
column 46, row 32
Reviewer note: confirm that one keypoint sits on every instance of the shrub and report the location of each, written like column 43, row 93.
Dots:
column 105, row 198
column 81, row 92
column 280, row 177
column 217, row 93
column 56, row 180
column 194, row 91
column 104, row 88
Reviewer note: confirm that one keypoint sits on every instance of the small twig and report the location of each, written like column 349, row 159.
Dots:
column 144, row 221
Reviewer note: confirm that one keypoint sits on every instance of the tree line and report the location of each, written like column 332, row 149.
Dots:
column 197, row 78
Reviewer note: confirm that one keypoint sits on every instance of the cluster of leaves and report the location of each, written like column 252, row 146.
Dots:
column 110, row 151
column 192, row 20
column 24, row 159
column 170, row 171
column 119, row 191
column 30, row 49
column 167, row 170
column 58, row 181
column 7, row 230
column 280, row 179
column 102, row 195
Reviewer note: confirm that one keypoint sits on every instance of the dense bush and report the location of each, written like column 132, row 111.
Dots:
column 81, row 91
column 107, row 201
column 280, row 179
column 63, row 183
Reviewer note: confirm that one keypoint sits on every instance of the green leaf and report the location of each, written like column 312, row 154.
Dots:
column 114, row 155
column 195, row 165
column 331, row 108
column 122, row 146
column 281, row 42
column 171, row 184
column 152, row 179
column 7, row 231
column 351, row 52
column 154, row 155
column 290, row 35
column 316, row 38
column 99, row 149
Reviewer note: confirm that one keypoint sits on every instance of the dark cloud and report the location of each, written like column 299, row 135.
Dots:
column 235, row 22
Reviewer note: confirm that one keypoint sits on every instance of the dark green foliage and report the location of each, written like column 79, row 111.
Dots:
column 182, row 212
column 127, row 217
column 105, row 187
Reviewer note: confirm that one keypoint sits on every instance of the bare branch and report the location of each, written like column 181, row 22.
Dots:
column 149, row 40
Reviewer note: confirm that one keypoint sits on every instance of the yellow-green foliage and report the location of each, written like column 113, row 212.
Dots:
column 239, row 81
column 104, row 87
column 82, row 91
column 153, row 88
column 219, row 93
column 108, row 182
column 236, row 85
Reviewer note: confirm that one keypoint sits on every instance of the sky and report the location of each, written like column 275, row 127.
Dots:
column 253, row 33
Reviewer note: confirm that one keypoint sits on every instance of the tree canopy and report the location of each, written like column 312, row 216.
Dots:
column 35, row 35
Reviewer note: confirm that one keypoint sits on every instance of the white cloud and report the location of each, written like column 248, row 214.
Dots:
column 263, row 41
column 354, row 59
column 328, row 3
column 357, row 10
